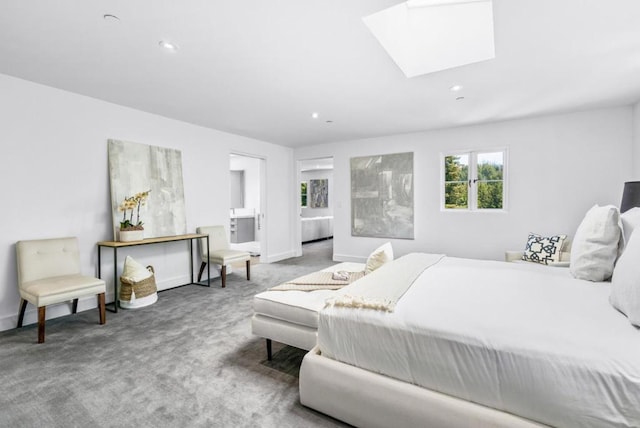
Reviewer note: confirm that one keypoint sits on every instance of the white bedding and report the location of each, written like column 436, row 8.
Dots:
column 526, row 339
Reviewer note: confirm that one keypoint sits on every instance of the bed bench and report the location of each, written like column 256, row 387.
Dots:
column 291, row 317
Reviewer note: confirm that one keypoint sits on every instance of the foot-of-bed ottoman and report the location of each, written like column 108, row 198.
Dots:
column 291, row 316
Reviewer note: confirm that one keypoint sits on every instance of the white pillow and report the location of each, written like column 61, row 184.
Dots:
column 595, row 246
column 625, row 283
column 630, row 220
column 134, row 271
column 540, row 249
column 380, row 256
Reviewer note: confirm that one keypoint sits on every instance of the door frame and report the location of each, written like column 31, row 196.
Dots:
column 263, row 219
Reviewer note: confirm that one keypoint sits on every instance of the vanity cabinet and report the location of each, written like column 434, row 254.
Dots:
column 242, row 229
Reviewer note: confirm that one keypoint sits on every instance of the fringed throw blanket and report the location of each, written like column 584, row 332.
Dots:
column 381, row 289
column 319, row 281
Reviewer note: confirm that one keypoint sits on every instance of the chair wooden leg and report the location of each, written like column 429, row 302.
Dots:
column 42, row 312
column 223, row 274
column 248, row 270
column 101, row 308
column 23, row 306
column 269, row 349
column 201, row 270
column 74, row 307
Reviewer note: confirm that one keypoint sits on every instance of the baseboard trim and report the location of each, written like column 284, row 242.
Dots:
column 85, row 303
column 53, row 311
column 272, row 258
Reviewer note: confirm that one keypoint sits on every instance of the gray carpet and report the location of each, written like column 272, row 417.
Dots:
column 188, row 360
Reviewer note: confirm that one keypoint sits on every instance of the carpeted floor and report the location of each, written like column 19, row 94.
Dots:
column 188, row 360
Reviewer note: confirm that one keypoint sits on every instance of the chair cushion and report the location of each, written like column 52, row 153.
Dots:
column 47, row 291
column 225, row 257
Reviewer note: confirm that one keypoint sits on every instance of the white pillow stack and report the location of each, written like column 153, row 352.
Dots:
column 625, row 284
column 630, row 220
column 595, row 246
column 379, row 257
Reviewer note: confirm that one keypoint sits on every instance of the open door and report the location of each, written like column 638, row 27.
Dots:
column 315, row 196
column 247, row 204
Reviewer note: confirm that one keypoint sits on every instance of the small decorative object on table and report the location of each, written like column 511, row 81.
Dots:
column 130, row 231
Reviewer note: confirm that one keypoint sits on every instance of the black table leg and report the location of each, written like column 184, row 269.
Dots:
column 115, row 279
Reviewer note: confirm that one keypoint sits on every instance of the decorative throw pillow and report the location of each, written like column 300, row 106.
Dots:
column 595, row 246
column 380, row 256
column 630, row 220
column 134, row 271
column 540, row 249
column 625, row 283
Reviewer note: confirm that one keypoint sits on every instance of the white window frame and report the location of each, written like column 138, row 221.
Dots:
column 472, row 196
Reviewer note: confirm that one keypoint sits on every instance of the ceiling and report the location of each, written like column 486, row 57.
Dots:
column 260, row 68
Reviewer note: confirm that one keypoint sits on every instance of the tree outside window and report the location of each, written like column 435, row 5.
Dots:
column 303, row 194
column 456, row 177
column 474, row 181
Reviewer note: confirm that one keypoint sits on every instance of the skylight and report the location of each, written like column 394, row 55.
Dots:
column 424, row 36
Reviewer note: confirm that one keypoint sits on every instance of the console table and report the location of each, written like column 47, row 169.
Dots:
column 115, row 245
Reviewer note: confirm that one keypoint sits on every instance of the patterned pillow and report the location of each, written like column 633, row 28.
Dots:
column 540, row 249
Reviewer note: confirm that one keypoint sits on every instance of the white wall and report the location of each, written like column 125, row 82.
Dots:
column 559, row 166
column 56, row 182
column 636, row 143
column 318, row 174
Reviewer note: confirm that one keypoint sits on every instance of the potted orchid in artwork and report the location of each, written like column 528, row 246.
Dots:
column 131, row 230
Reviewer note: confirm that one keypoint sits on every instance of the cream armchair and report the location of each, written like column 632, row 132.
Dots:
column 219, row 252
column 49, row 273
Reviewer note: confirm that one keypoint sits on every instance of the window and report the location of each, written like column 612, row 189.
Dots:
column 303, row 194
column 474, row 180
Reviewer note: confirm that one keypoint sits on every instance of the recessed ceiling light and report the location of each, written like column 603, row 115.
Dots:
column 456, row 88
column 315, row 115
column 168, row 45
column 109, row 17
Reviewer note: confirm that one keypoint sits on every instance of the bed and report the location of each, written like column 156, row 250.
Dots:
column 478, row 343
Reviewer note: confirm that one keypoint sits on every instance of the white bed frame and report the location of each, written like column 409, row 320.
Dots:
column 366, row 399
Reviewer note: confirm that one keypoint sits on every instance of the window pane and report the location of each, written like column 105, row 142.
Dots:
column 455, row 195
column 456, row 168
column 490, row 166
column 490, row 195
column 303, row 194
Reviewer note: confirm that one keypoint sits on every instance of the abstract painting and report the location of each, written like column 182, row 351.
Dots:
column 137, row 168
column 382, row 196
column 319, row 193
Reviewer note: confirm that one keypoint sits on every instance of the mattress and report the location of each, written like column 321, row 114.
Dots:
column 522, row 338
column 299, row 307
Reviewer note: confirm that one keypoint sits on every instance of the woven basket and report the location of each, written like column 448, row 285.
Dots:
column 143, row 288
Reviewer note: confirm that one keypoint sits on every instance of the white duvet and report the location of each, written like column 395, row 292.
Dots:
column 523, row 338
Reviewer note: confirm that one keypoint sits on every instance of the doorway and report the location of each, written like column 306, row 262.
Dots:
column 315, row 184
column 246, row 202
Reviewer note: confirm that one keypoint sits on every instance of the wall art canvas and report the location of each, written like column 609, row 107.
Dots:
column 382, row 196
column 319, row 193
column 135, row 168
